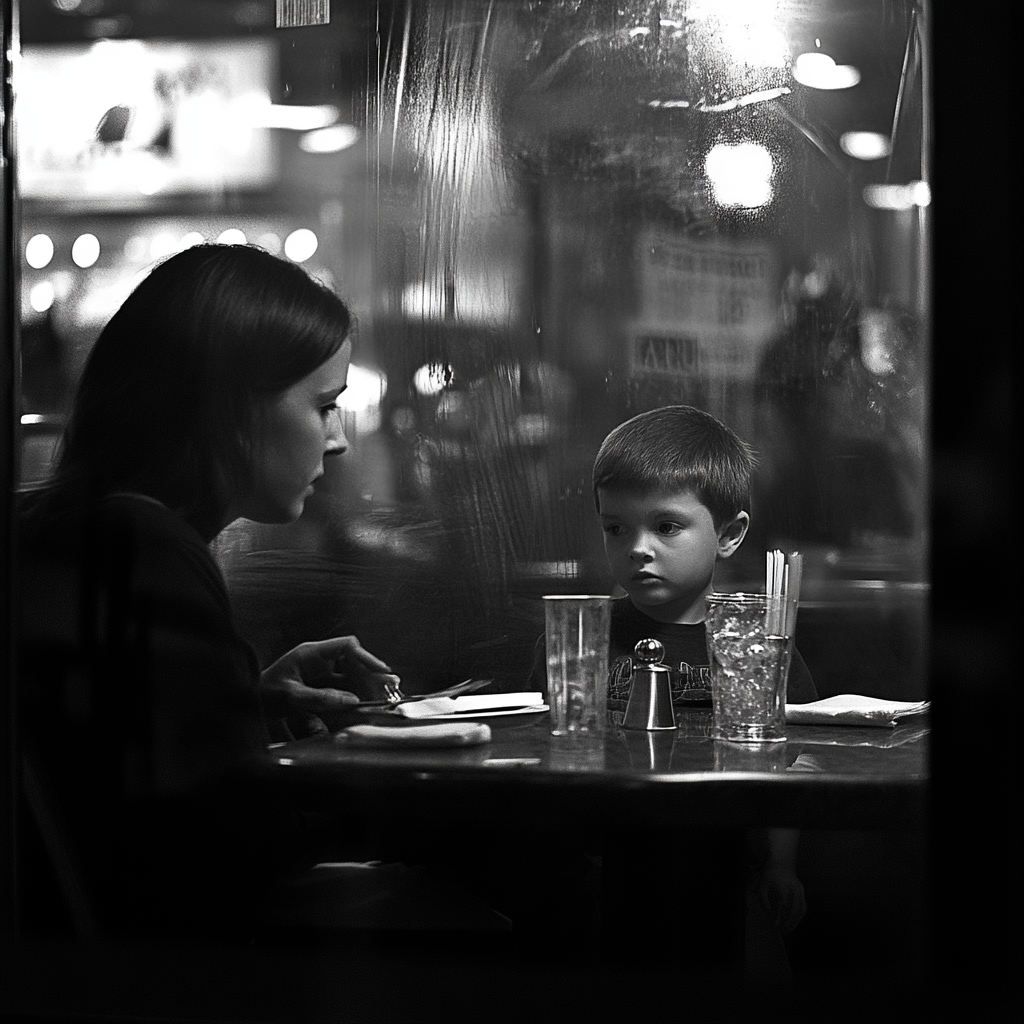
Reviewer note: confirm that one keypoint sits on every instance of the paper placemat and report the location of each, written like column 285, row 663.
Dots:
column 853, row 709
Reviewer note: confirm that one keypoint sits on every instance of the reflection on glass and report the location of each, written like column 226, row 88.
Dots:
column 547, row 217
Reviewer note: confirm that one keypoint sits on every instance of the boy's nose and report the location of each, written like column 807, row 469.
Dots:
column 640, row 554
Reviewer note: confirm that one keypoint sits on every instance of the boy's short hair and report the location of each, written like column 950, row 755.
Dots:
column 678, row 447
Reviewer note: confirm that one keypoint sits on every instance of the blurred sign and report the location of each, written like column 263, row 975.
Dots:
column 299, row 13
column 706, row 307
column 123, row 120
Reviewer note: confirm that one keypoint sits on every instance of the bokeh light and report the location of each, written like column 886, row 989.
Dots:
column 300, row 245
column 329, row 140
column 740, row 174
column 162, row 244
column 39, row 251
column 819, row 71
column 361, row 400
column 865, row 145
column 86, row 250
column 270, row 241
column 41, row 296
column 429, row 380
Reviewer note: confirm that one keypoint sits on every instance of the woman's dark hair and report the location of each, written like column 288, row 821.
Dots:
column 678, row 447
column 169, row 397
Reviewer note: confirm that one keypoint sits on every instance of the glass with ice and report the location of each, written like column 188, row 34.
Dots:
column 576, row 635
column 749, row 668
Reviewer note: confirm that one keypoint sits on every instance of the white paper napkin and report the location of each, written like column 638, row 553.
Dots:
column 438, row 734
column 853, row 709
column 431, row 706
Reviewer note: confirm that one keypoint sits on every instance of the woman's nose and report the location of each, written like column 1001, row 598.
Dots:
column 337, row 442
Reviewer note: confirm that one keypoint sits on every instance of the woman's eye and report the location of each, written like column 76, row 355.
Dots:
column 326, row 410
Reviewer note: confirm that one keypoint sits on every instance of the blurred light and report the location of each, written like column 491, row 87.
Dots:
column 532, row 428
column 476, row 301
column 162, row 244
column 262, row 114
column 429, row 380
column 740, row 174
column 66, row 5
column 329, row 140
column 41, row 296
column 189, row 239
column 39, row 251
column 101, row 295
column 152, row 177
column 668, row 104
column 759, row 96
column 757, row 44
column 820, row 71
column 136, row 249
column 865, row 145
column 746, row 29
column 300, row 245
column 86, row 250
column 363, row 396
column 898, row 197
column 815, row 284
column 233, row 236
column 269, row 241
column 878, row 335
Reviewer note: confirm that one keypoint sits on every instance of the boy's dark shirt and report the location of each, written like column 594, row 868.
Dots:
column 686, row 653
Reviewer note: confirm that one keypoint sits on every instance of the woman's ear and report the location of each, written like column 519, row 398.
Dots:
column 731, row 535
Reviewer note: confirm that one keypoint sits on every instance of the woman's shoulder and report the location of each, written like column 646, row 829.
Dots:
column 123, row 534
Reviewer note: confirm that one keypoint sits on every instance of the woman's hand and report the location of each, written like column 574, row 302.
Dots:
column 321, row 677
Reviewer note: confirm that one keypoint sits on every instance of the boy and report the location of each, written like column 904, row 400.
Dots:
column 672, row 488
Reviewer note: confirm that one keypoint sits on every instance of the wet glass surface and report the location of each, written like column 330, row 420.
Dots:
column 548, row 215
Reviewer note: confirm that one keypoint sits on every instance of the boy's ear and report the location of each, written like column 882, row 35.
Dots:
column 731, row 535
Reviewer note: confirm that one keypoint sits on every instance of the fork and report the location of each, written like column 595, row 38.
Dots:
column 396, row 697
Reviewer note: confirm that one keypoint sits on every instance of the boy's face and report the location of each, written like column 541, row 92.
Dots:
column 662, row 547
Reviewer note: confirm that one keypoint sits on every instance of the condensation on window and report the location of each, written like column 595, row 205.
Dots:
column 548, row 216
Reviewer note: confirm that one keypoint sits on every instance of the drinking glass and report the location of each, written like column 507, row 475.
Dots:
column 749, row 668
column 576, row 635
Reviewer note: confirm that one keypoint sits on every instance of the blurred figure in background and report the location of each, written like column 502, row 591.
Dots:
column 838, row 397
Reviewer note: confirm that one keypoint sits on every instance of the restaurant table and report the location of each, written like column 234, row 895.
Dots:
column 825, row 776
column 666, row 811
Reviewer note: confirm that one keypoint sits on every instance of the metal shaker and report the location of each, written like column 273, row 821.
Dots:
column 650, row 690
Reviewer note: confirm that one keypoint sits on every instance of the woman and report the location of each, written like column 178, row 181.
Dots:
column 209, row 396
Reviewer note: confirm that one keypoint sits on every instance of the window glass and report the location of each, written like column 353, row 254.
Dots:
column 547, row 217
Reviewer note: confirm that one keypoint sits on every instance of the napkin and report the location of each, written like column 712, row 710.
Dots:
column 852, row 709
column 481, row 702
column 440, row 734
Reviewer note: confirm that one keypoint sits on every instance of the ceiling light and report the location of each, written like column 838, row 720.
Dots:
column 865, row 145
column 820, row 71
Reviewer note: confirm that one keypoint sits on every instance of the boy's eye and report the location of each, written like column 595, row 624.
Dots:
column 669, row 529
column 613, row 529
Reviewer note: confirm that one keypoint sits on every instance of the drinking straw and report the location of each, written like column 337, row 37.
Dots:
column 775, row 583
column 795, row 571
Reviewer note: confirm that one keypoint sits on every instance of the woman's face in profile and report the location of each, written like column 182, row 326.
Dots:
column 297, row 429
